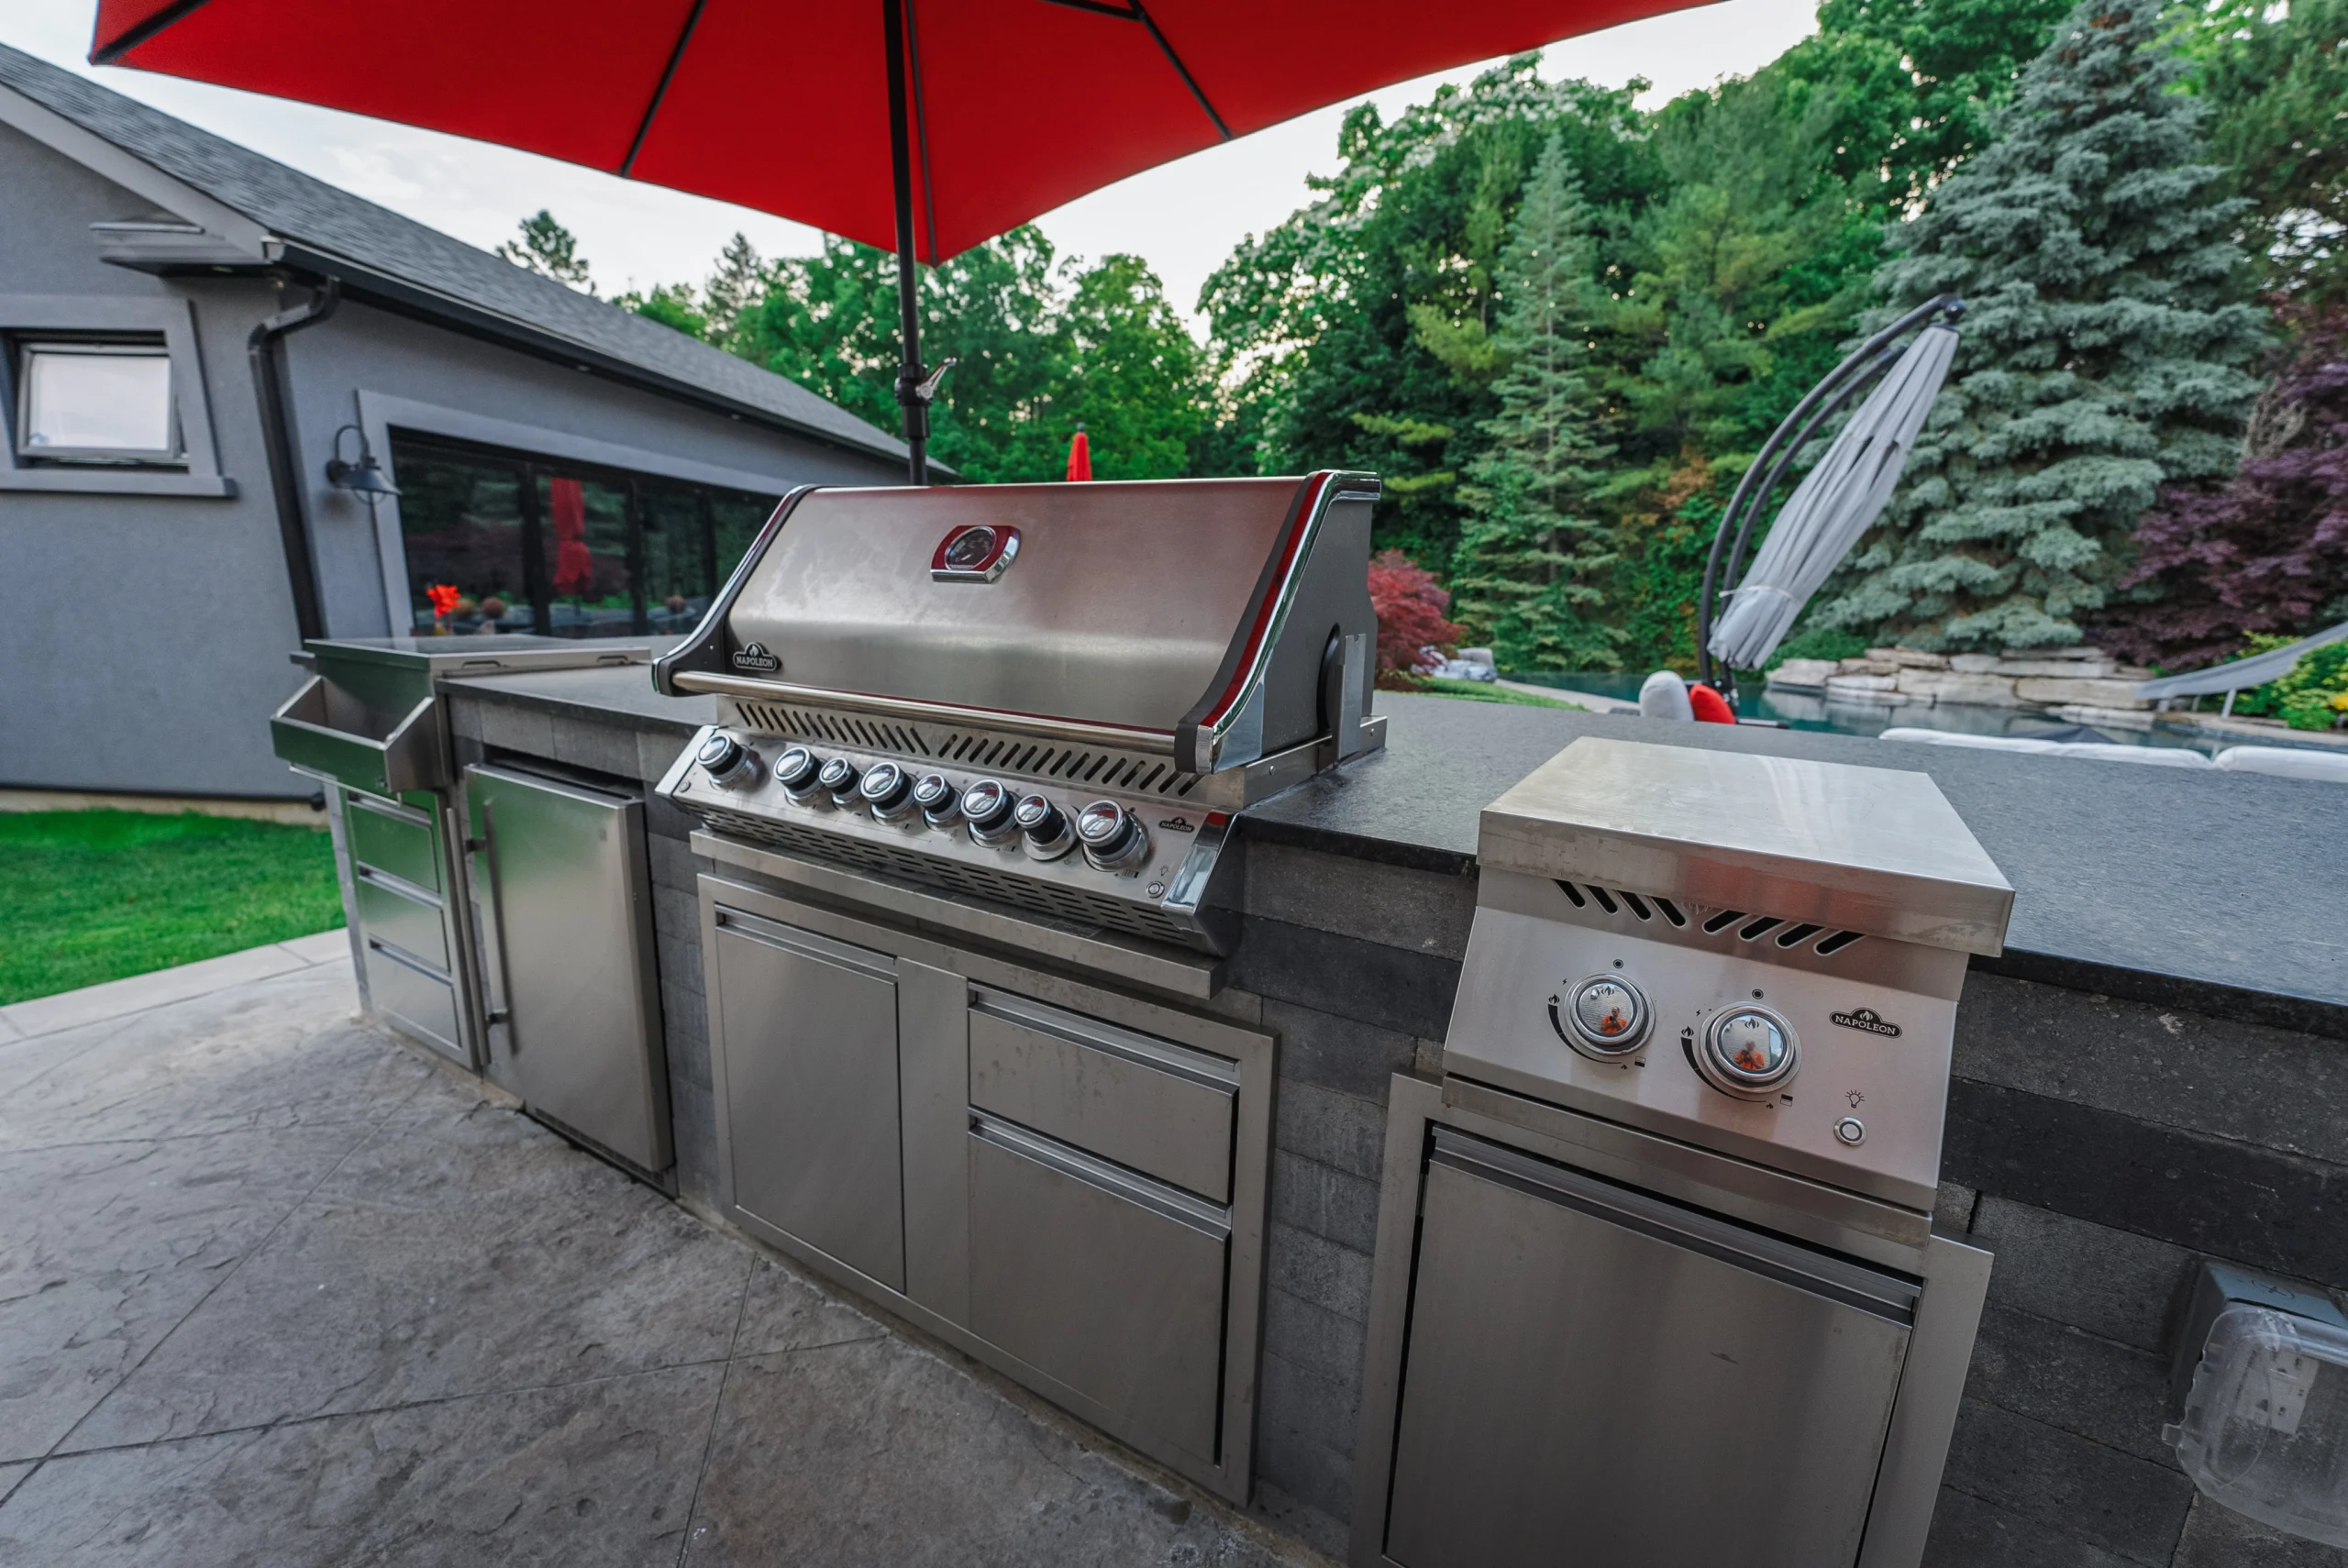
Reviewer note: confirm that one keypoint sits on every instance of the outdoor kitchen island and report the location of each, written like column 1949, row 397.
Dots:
column 2153, row 1070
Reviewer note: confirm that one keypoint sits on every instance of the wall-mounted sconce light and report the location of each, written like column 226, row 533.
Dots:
column 364, row 479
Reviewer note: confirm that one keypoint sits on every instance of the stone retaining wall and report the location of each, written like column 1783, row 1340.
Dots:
column 2076, row 678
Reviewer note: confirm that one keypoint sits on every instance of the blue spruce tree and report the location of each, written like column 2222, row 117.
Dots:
column 2104, row 354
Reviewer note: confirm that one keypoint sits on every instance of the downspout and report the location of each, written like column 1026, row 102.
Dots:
column 276, row 436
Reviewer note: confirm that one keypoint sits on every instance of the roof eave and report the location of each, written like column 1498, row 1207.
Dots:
column 370, row 286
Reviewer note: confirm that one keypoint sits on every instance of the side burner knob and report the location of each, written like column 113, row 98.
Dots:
column 940, row 802
column 729, row 763
column 1605, row 1017
column 1749, row 1051
column 795, row 770
column 1044, row 828
column 888, row 790
column 988, row 805
column 1112, row 837
column 839, row 778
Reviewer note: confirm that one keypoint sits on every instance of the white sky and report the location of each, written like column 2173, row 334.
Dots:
column 1184, row 218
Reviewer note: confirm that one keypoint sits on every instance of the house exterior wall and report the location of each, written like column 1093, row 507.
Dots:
column 146, row 636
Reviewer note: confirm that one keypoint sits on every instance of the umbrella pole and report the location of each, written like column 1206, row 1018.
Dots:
column 900, row 171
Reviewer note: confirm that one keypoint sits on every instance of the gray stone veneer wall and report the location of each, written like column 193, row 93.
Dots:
column 2095, row 1145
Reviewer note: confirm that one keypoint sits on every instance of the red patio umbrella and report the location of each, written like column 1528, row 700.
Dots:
column 924, row 127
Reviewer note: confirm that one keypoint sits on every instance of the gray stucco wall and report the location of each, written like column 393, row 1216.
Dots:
column 146, row 637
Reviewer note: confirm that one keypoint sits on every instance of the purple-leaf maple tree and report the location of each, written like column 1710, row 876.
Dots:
column 1410, row 606
column 2267, row 551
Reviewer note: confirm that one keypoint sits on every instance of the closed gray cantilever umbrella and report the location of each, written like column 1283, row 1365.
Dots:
column 1835, row 503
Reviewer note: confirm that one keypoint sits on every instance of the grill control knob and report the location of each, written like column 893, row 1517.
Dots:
column 989, row 804
column 729, row 763
column 1605, row 1017
column 839, row 778
column 795, row 770
column 1045, row 827
column 888, row 790
column 1749, row 1050
column 940, row 802
column 1112, row 837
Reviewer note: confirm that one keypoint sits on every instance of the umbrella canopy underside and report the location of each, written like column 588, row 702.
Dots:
column 1018, row 105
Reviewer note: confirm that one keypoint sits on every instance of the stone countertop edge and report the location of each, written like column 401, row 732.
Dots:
column 619, row 694
column 2121, row 886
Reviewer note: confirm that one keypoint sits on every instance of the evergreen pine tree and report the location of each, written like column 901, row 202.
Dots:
column 734, row 287
column 1530, row 545
column 2104, row 355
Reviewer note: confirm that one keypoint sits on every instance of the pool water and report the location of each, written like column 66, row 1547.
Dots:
column 1812, row 710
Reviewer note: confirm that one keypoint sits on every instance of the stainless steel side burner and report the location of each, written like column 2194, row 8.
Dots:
column 1050, row 697
column 1656, row 1277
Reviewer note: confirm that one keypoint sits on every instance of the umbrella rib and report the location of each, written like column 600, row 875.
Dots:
column 921, row 133
column 134, row 36
column 668, row 74
column 1134, row 11
column 1181, row 70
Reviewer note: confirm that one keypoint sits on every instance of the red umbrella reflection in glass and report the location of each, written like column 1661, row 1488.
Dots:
column 574, row 568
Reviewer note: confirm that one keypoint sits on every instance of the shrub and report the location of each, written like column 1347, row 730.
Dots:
column 1410, row 606
column 2313, row 696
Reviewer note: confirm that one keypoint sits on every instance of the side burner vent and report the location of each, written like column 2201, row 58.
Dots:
column 1745, row 925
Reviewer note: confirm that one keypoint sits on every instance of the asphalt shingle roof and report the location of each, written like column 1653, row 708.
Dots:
column 321, row 217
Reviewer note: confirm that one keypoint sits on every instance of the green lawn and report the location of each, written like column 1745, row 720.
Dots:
column 1485, row 691
column 91, row 896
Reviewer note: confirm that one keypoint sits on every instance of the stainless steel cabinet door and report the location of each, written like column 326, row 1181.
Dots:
column 1109, row 1284
column 810, row 1029
column 569, row 907
column 1596, row 1377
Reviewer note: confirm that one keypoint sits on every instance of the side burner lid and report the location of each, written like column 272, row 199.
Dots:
column 1869, row 849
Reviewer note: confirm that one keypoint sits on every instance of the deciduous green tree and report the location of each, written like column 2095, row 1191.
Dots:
column 2278, row 87
column 2103, row 354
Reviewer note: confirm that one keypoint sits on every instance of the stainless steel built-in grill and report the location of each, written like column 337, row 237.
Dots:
column 1053, row 697
column 1657, row 1280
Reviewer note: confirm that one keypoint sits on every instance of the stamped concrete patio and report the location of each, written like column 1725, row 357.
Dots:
column 276, row 1288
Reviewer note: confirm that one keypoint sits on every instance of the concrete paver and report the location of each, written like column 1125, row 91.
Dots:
column 275, row 1288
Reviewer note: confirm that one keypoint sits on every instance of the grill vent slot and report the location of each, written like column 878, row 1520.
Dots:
column 973, row 749
column 1646, row 906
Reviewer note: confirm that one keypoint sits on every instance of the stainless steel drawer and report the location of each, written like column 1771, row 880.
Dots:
column 1111, row 1285
column 1161, row 1108
column 420, row 1003
column 402, row 918
column 394, row 838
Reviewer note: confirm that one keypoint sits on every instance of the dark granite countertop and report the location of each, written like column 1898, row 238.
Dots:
column 2233, row 880
column 2153, row 882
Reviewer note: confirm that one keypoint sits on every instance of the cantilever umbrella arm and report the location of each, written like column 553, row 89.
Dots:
column 1860, row 369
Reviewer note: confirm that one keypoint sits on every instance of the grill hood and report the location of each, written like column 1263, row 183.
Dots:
column 1215, row 621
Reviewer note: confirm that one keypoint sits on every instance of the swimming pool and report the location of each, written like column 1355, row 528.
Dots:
column 1812, row 710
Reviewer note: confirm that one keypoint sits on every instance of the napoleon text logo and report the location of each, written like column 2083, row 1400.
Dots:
column 754, row 656
column 1867, row 1019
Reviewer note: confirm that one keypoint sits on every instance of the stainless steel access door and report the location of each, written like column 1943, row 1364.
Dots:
column 566, row 900
column 1596, row 1376
column 810, row 1032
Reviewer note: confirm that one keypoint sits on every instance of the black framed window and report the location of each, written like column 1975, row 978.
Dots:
column 500, row 541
